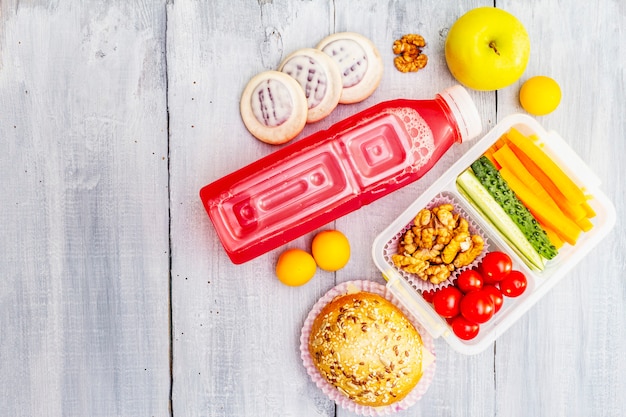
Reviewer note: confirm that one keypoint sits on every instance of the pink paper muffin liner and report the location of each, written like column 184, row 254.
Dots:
column 332, row 392
column 391, row 247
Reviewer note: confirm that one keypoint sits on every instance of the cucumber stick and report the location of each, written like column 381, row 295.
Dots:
column 481, row 199
column 491, row 179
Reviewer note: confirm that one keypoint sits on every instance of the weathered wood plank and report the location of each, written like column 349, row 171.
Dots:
column 384, row 22
column 565, row 356
column 235, row 328
column 84, row 310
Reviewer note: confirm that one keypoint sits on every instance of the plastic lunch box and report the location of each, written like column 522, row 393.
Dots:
column 539, row 283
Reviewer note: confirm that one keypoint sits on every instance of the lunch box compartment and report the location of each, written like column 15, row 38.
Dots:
column 539, row 282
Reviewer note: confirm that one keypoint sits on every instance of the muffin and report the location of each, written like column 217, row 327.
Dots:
column 366, row 347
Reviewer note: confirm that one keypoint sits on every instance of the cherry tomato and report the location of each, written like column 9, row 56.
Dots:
column 495, row 266
column 463, row 328
column 496, row 296
column 514, row 284
column 469, row 280
column 447, row 300
column 477, row 306
column 428, row 295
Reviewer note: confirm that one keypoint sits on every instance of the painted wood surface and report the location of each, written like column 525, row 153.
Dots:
column 116, row 298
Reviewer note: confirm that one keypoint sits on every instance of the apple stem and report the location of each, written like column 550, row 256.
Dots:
column 492, row 45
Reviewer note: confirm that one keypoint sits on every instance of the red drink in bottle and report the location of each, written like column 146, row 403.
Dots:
column 333, row 172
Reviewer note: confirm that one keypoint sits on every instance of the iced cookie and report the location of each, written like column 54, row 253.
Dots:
column 273, row 107
column 359, row 62
column 319, row 77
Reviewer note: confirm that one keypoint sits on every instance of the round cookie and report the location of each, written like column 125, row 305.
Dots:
column 273, row 107
column 319, row 77
column 359, row 62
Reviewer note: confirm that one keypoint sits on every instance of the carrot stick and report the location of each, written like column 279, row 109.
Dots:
column 507, row 158
column 489, row 154
column 590, row 212
column 558, row 235
column 560, row 178
column 585, row 224
column 554, row 237
column 498, row 144
column 565, row 226
column 573, row 211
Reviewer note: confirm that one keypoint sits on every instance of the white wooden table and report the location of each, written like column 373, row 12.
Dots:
column 116, row 298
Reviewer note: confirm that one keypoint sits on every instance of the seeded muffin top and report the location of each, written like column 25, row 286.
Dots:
column 367, row 348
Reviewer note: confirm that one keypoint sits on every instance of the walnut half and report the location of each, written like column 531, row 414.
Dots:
column 409, row 50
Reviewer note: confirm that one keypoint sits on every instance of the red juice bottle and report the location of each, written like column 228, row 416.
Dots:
column 333, row 172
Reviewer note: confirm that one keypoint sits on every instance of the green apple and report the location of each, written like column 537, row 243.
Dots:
column 487, row 48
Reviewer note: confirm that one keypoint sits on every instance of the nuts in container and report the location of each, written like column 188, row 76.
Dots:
column 439, row 242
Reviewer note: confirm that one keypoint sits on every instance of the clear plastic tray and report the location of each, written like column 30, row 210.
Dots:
column 538, row 282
